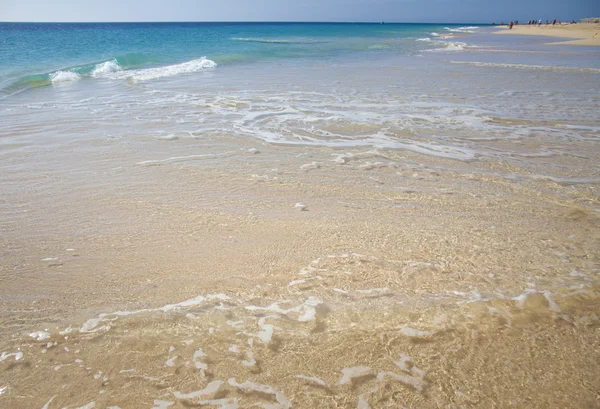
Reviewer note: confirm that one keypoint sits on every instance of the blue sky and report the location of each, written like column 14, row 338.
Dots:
column 447, row 11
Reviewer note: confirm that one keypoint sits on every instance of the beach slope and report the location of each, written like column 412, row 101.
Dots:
column 581, row 33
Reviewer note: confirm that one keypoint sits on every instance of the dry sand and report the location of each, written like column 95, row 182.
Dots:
column 582, row 33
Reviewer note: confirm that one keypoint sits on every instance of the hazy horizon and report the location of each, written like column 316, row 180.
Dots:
column 314, row 11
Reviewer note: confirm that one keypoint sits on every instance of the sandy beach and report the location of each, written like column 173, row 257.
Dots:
column 327, row 231
column 582, row 33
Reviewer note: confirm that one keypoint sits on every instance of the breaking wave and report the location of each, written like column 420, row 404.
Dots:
column 115, row 69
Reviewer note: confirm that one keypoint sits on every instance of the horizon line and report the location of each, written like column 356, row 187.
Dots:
column 238, row 21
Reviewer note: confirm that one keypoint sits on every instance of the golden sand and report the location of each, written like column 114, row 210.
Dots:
column 582, row 33
column 404, row 281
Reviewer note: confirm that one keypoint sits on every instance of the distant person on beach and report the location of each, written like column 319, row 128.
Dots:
column 510, row 25
column 540, row 22
column 493, row 23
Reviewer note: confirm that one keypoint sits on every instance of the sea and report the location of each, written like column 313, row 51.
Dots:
column 310, row 215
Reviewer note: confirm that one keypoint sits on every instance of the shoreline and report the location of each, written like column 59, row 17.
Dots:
column 586, row 34
column 316, row 227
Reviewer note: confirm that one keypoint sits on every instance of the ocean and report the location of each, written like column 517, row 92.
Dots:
column 299, row 215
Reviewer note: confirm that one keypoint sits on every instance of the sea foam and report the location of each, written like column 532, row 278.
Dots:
column 64, row 76
column 112, row 70
column 106, row 68
column 197, row 65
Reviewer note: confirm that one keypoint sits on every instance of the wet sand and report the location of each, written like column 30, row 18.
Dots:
column 393, row 284
column 406, row 233
column 583, row 33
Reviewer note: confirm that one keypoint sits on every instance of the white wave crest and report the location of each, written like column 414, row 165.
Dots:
column 469, row 29
column 449, row 46
column 426, row 39
column 64, row 76
column 106, row 68
column 455, row 47
column 198, row 65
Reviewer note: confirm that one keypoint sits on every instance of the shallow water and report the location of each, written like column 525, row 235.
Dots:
column 313, row 223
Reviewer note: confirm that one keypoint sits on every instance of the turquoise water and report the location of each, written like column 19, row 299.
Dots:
column 31, row 53
column 452, row 91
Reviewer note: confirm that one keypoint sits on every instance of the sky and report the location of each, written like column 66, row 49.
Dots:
column 428, row 11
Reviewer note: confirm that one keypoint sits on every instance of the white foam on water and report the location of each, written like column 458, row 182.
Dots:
column 470, row 29
column 349, row 373
column 198, row 355
column 106, row 67
column 250, row 361
column 225, row 403
column 91, row 325
column 162, row 404
column 303, row 280
column 312, row 379
column 362, row 402
column 193, row 66
column 309, row 166
column 251, row 386
column 238, row 325
column 406, row 364
column 450, row 46
column 64, row 76
column 48, row 403
column 306, row 310
column 403, row 362
column 67, row 331
column 266, row 330
column 211, row 388
column 415, row 333
column 522, row 298
column 5, row 355
column 39, row 335
column 171, row 361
